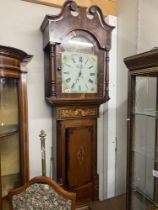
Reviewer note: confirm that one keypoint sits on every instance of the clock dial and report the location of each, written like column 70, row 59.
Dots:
column 79, row 72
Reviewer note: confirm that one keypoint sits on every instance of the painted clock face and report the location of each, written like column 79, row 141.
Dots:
column 79, row 72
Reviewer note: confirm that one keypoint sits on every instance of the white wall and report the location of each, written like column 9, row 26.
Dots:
column 127, row 12
column 20, row 28
column 107, row 127
column 148, row 25
column 112, row 112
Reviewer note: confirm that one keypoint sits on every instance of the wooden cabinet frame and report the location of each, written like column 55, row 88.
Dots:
column 12, row 66
column 142, row 67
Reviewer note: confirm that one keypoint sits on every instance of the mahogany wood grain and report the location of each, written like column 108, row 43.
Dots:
column 75, row 114
column 12, row 65
column 57, row 30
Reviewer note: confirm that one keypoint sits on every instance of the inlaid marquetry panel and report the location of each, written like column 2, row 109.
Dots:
column 79, row 151
column 74, row 112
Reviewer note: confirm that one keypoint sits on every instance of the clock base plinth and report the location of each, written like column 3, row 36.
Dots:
column 87, row 192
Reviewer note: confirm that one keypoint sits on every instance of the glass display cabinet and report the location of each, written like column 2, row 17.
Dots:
column 142, row 122
column 13, row 121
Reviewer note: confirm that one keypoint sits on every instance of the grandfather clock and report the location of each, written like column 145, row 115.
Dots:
column 76, row 47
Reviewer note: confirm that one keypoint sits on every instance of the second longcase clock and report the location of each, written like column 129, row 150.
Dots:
column 76, row 48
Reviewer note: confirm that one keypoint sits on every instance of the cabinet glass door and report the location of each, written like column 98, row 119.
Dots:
column 144, row 150
column 9, row 136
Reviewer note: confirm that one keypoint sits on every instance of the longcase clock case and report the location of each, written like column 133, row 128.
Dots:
column 76, row 49
column 142, row 171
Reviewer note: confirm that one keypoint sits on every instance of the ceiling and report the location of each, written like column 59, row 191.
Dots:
column 108, row 7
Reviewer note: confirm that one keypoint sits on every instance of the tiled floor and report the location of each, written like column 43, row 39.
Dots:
column 116, row 203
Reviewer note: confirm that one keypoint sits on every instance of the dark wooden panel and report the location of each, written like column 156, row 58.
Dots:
column 79, row 155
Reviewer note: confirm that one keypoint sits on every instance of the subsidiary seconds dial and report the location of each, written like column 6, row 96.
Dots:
column 79, row 72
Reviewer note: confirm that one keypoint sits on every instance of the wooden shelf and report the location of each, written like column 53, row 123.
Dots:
column 147, row 114
column 8, row 130
column 8, row 182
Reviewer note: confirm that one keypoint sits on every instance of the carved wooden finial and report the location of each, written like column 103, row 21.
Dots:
column 73, row 17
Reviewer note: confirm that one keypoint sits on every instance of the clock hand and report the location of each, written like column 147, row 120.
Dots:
column 72, row 86
column 79, row 75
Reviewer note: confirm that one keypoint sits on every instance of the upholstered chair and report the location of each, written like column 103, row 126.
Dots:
column 41, row 193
